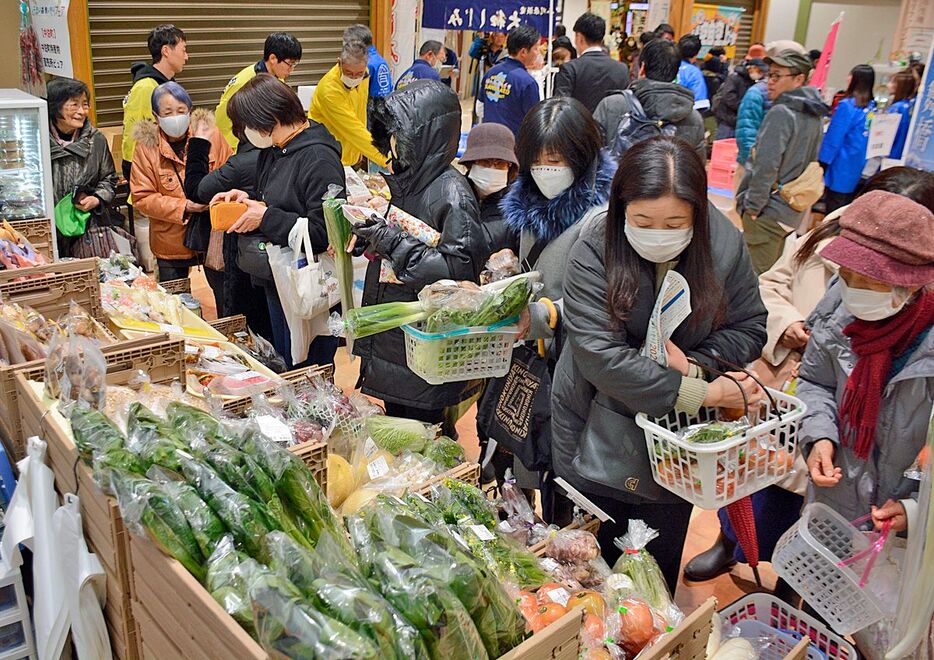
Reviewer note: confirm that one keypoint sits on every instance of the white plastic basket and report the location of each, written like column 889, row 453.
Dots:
column 713, row 475
column 771, row 611
column 771, row 643
column 808, row 558
column 461, row 354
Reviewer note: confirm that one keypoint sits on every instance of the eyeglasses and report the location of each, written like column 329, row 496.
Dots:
column 74, row 105
column 775, row 77
column 291, row 64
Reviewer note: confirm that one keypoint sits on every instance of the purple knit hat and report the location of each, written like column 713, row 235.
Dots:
column 886, row 237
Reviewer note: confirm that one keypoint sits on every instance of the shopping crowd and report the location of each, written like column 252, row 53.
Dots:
column 603, row 190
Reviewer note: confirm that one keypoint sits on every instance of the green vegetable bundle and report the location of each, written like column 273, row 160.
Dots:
column 502, row 300
column 445, row 452
column 227, row 581
column 338, row 228
column 460, row 500
column 191, row 422
column 395, row 434
column 152, row 439
column 636, row 562
column 93, row 432
column 373, row 319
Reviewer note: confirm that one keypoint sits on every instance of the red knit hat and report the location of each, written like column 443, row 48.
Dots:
column 886, row 237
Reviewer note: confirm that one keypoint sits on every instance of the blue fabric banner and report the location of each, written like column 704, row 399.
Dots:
column 486, row 15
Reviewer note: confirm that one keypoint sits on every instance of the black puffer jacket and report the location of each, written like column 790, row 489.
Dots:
column 498, row 235
column 726, row 102
column 602, row 381
column 425, row 119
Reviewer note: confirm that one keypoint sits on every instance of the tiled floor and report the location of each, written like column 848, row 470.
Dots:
column 704, row 525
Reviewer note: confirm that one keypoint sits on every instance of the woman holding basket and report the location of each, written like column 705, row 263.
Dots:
column 659, row 220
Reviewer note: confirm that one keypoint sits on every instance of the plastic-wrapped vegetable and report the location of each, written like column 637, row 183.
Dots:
column 573, row 546
column 636, row 562
column 93, row 431
column 459, row 499
column 395, row 434
column 207, row 528
column 518, row 511
column 287, row 627
column 445, row 452
column 227, row 582
column 247, row 520
column 144, row 505
column 75, row 370
column 335, row 588
column 151, row 438
column 192, row 422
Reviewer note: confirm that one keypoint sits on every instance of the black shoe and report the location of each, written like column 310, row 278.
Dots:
column 713, row 562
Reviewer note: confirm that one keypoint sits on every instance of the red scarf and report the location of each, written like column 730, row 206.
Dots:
column 877, row 344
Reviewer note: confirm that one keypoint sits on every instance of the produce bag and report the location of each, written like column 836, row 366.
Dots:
column 227, row 582
column 640, row 567
column 395, row 434
column 75, row 370
column 338, row 230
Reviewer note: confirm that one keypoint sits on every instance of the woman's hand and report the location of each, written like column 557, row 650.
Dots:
column 795, row 336
column 251, row 218
column 88, row 203
column 893, row 511
column 230, row 196
column 677, row 360
column 203, row 128
column 194, row 207
column 820, row 464
column 725, row 392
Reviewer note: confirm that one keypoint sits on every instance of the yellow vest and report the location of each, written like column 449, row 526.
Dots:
column 343, row 112
column 137, row 106
column 220, row 113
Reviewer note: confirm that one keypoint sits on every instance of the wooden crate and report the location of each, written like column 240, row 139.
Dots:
column 182, row 285
column 230, row 324
column 559, row 641
column 315, row 456
column 39, row 234
column 240, row 405
column 591, row 525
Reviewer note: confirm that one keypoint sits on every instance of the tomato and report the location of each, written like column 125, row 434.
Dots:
column 636, row 625
column 670, row 472
column 544, row 594
column 597, row 654
column 528, row 605
column 594, row 629
column 590, row 601
column 547, row 615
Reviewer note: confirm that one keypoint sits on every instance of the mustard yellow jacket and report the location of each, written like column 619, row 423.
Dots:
column 224, row 125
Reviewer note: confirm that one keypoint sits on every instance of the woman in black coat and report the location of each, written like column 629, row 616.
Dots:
column 659, row 220
column 419, row 128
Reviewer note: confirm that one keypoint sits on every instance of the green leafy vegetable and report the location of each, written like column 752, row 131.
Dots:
column 445, row 452
column 227, row 582
column 93, row 431
column 395, row 434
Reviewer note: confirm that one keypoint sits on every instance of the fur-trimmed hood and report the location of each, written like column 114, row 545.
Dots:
column 526, row 209
column 147, row 132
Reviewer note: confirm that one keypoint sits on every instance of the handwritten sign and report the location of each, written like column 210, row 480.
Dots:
column 487, row 16
column 50, row 20
column 882, row 132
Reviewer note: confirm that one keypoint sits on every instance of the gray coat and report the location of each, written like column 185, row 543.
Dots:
column 903, row 417
column 601, row 381
column 85, row 163
column 788, row 140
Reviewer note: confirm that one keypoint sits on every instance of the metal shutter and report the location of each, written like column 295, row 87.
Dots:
column 223, row 37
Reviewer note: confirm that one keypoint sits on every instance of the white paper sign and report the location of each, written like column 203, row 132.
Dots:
column 171, row 329
column 369, row 447
column 274, row 429
column 561, row 596
column 50, row 20
column 882, row 134
column 481, row 532
column 377, row 468
column 671, row 308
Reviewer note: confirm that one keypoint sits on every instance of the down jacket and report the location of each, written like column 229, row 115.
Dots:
column 749, row 118
column 425, row 120
column 86, row 163
column 602, row 382
column 904, row 415
column 157, row 184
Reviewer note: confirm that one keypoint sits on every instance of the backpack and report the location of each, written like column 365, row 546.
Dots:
column 634, row 126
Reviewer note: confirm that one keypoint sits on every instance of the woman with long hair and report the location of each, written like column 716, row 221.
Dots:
column 659, row 220
column 843, row 149
column 902, row 88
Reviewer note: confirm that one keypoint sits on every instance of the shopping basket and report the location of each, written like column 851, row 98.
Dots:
column 824, row 558
column 711, row 476
column 460, row 354
column 771, row 611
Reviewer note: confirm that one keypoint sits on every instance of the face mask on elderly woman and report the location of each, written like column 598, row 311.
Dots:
column 870, row 305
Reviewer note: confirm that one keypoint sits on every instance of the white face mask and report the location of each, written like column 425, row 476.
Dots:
column 488, row 180
column 174, row 126
column 658, row 245
column 552, row 181
column 438, row 64
column 349, row 82
column 872, row 305
column 257, row 140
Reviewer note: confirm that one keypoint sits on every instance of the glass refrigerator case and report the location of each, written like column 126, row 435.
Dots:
column 25, row 169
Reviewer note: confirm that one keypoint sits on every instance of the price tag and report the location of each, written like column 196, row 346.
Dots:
column 211, row 352
column 459, row 539
column 369, row 447
column 171, row 329
column 560, row 596
column 377, row 468
column 274, row 429
column 241, row 335
column 505, row 527
column 246, row 375
column 481, row 532
column 190, row 349
column 549, row 564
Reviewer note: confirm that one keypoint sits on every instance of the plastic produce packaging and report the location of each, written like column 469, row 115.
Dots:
column 75, row 371
column 648, row 583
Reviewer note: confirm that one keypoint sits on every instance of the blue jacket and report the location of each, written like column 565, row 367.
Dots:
column 691, row 77
column 380, row 75
column 509, row 92
column 749, row 118
column 904, row 108
column 843, row 149
column 420, row 70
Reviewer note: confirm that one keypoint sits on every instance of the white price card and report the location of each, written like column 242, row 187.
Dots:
column 481, row 532
column 378, row 468
column 549, row 564
column 211, row 352
column 560, row 596
column 369, row 447
column 274, row 429
column 246, row 375
column 171, row 329
column 191, row 349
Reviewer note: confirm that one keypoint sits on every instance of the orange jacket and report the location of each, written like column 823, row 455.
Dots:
column 157, row 184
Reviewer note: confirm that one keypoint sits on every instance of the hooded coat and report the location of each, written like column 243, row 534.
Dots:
column 788, row 140
column 730, row 95
column 424, row 118
column 137, row 104
column 602, row 382
column 752, row 109
column 157, row 183
column 669, row 102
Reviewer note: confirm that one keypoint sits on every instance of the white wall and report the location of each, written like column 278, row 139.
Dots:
column 572, row 11
column 866, row 23
column 780, row 22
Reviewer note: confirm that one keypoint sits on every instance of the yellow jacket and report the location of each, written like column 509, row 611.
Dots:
column 220, row 113
column 343, row 112
column 137, row 107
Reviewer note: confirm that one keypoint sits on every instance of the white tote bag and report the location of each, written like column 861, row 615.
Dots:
column 307, row 288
